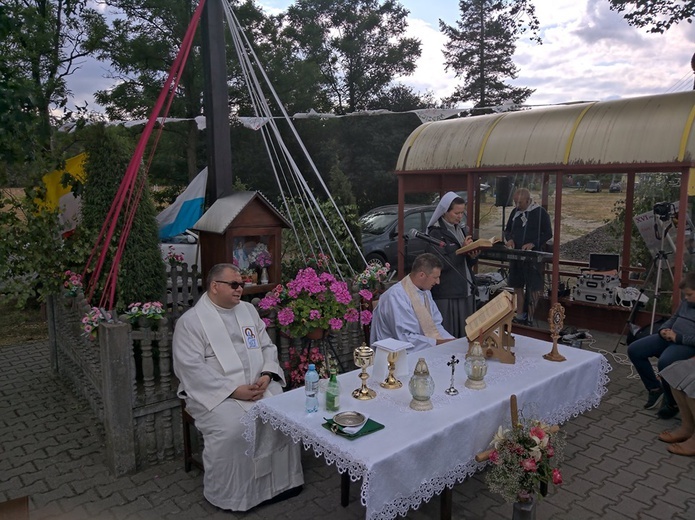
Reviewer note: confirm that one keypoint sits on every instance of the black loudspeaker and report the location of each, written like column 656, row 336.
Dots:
column 503, row 191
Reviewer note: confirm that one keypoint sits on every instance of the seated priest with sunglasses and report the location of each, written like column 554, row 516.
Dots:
column 226, row 362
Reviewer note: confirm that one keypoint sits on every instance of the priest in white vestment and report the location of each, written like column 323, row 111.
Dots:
column 407, row 312
column 225, row 362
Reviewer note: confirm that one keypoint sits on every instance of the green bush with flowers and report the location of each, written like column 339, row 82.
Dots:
column 312, row 301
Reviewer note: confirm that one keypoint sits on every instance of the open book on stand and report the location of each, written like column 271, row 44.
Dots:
column 481, row 243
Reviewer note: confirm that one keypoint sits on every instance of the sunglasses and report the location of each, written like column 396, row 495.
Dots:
column 233, row 285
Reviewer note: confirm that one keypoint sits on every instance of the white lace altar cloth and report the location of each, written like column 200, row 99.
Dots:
column 417, row 454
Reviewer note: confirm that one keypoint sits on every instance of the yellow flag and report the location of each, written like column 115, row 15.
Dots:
column 54, row 189
column 61, row 197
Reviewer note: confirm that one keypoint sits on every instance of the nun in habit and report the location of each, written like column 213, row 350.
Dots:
column 455, row 293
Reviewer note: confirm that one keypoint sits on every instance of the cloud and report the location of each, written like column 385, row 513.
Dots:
column 429, row 74
column 599, row 23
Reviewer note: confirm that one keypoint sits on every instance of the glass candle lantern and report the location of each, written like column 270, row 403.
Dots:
column 476, row 367
column 421, row 387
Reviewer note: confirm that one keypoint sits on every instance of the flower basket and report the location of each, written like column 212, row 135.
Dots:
column 317, row 334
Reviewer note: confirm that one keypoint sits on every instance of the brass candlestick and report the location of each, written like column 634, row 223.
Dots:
column 364, row 357
column 391, row 382
column 556, row 319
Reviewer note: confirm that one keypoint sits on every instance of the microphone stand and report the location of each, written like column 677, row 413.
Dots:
column 471, row 285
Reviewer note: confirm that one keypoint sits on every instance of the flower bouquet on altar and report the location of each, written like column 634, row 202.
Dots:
column 313, row 301
column 524, row 460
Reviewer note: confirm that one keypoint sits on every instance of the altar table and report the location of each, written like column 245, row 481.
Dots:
column 419, row 454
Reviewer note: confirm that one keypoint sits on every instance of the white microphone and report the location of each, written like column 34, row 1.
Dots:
column 414, row 233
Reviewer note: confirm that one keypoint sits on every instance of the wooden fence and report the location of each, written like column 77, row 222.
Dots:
column 127, row 375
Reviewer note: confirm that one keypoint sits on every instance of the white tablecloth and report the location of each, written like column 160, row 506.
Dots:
column 417, row 454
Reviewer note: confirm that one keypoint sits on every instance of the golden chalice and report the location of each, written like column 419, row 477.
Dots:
column 391, row 382
column 364, row 357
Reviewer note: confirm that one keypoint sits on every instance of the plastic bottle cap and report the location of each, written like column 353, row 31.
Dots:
column 312, row 367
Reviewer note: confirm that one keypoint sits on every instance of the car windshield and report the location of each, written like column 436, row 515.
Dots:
column 377, row 222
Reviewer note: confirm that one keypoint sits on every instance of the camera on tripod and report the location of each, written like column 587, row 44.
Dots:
column 664, row 210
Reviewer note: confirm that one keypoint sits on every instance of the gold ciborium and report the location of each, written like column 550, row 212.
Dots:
column 364, row 357
column 391, row 382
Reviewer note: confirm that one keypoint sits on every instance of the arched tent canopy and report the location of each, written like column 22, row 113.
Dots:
column 644, row 134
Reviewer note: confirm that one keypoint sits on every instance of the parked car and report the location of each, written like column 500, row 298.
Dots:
column 380, row 236
column 185, row 244
column 592, row 187
column 615, row 187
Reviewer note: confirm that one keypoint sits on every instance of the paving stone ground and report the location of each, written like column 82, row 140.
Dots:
column 52, row 449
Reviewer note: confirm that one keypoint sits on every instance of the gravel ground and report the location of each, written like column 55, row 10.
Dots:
column 600, row 240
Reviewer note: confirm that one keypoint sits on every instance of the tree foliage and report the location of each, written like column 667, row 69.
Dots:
column 358, row 46
column 141, row 45
column 32, row 252
column 42, row 43
column 141, row 276
column 656, row 16
column 480, row 48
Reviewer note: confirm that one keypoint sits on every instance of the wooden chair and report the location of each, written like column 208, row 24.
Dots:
column 188, row 424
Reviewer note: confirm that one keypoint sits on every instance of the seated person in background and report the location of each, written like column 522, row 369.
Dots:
column 680, row 376
column 674, row 341
column 225, row 362
column 407, row 312
column 528, row 229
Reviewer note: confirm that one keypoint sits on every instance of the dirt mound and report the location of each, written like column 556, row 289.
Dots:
column 603, row 239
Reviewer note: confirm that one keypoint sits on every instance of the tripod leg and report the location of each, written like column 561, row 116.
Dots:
column 637, row 304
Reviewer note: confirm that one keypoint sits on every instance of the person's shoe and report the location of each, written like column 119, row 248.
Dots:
column 667, row 411
column 285, row 495
column 654, row 399
column 521, row 319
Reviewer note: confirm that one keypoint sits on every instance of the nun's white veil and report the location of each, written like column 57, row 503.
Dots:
column 442, row 207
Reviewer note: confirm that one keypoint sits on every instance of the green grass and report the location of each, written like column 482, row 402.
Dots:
column 20, row 325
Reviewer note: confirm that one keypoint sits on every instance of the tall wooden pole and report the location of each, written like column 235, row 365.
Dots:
column 215, row 102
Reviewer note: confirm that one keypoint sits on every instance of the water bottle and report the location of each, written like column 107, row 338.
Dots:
column 333, row 393
column 311, row 389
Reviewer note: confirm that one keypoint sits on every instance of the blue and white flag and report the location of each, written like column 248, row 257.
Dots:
column 186, row 209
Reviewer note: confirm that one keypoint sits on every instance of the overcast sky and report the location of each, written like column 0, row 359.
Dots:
column 589, row 53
